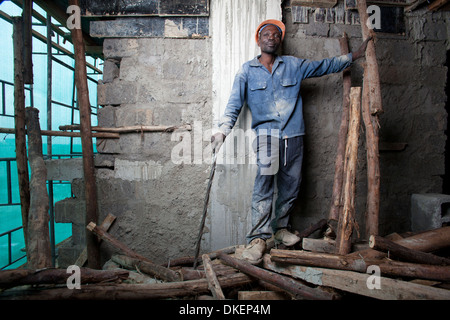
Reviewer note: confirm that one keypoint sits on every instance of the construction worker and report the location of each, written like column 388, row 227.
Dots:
column 270, row 85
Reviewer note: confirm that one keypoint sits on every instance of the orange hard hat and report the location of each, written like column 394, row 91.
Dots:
column 276, row 23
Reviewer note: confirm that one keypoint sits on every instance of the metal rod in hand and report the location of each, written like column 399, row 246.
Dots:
column 205, row 209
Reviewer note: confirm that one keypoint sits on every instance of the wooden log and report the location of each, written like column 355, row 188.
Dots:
column 297, row 289
column 373, row 77
column 19, row 124
column 336, row 197
column 106, row 224
column 311, row 229
column 126, row 291
column 149, row 268
column 347, row 220
column 261, row 295
column 114, row 242
column 130, row 129
column 27, row 41
column 406, row 254
column 38, row 239
column 19, row 277
column 190, row 259
column 93, row 251
column 360, row 264
column 213, row 283
column 356, row 282
column 373, row 160
column 428, row 241
column 51, row 133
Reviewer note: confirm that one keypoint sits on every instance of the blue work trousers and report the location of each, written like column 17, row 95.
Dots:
column 279, row 161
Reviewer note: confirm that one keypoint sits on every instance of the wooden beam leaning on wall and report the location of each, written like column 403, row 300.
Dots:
column 19, row 123
column 84, row 106
column 38, row 240
column 347, row 220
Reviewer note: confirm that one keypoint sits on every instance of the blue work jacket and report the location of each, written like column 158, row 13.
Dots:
column 274, row 98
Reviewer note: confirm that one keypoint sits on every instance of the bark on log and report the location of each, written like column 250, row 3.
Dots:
column 19, row 123
column 38, row 239
column 149, row 268
column 213, row 283
column 373, row 76
column 19, row 277
column 403, row 253
column 373, row 160
column 190, row 260
column 428, row 241
column 113, row 241
column 311, row 229
column 126, row 291
column 295, row 288
column 360, row 264
column 336, row 204
column 347, row 220
column 84, row 106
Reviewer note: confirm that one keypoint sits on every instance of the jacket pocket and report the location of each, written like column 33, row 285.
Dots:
column 289, row 87
column 258, row 85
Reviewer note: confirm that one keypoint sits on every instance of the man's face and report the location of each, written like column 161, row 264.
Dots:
column 269, row 39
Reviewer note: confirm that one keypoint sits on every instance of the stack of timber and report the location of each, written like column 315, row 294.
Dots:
column 407, row 270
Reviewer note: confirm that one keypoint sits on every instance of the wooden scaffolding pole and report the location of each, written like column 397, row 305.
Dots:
column 84, row 106
column 19, row 123
column 372, row 106
column 38, row 244
column 347, row 218
column 336, row 204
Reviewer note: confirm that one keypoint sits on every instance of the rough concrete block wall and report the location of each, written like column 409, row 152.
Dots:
column 158, row 203
column 413, row 76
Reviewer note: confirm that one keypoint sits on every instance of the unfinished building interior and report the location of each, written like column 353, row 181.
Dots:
column 147, row 195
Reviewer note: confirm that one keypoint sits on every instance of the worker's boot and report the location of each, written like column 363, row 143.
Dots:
column 254, row 251
column 285, row 237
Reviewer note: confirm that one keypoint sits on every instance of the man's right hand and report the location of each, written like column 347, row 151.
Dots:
column 217, row 141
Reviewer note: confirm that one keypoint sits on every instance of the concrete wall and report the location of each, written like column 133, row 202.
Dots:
column 165, row 77
column 413, row 76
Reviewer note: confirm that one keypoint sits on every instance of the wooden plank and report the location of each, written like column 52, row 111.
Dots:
column 319, row 245
column 354, row 282
column 213, row 283
column 289, row 285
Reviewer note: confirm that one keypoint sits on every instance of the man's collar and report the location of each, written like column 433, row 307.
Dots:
column 255, row 61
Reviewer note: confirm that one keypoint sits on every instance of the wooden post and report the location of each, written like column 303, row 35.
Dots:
column 373, row 160
column 84, row 106
column 19, row 123
column 336, row 205
column 27, row 41
column 347, row 219
column 401, row 252
column 373, row 76
column 38, row 244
